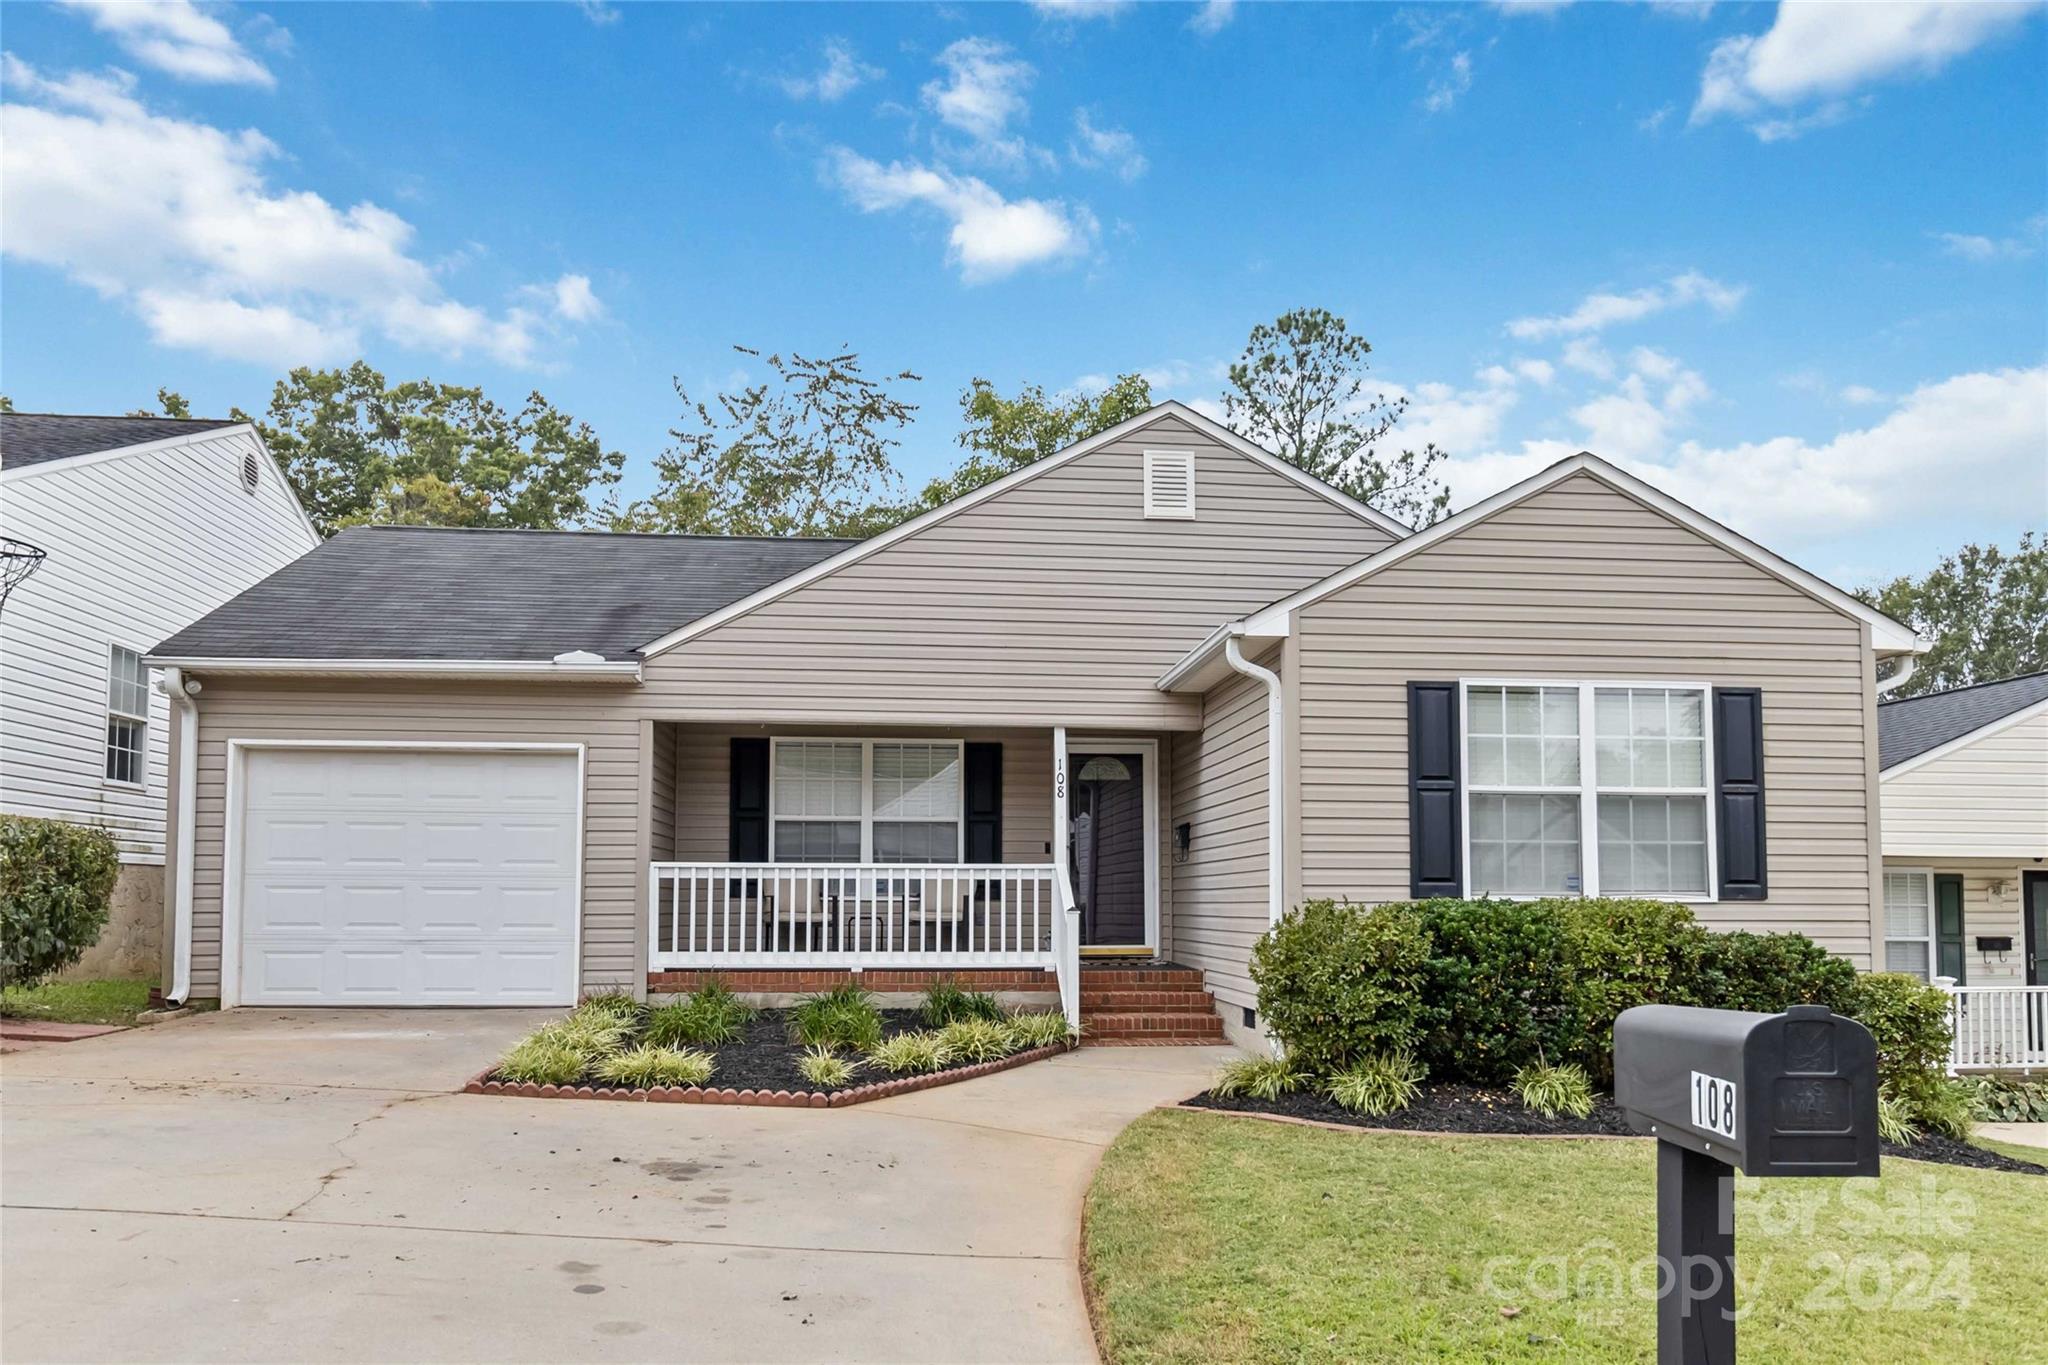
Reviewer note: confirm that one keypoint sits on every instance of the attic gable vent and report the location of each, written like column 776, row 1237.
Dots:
column 252, row 472
column 1170, row 483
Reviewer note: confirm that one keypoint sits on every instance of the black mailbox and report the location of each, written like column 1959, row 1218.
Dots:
column 1771, row 1094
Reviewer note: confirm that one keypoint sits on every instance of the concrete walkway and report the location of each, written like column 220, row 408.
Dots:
column 2019, row 1134
column 265, row 1185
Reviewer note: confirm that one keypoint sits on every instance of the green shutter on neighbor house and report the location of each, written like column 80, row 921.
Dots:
column 1948, row 926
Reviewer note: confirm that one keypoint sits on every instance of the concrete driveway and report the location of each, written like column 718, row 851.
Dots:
column 302, row 1185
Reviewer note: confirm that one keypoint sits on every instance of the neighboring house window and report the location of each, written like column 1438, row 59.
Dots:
column 1544, row 761
column 1908, row 922
column 850, row 801
column 127, row 717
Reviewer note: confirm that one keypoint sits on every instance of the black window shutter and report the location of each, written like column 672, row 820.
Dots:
column 984, row 782
column 747, row 817
column 1435, row 822
column 1739, row 792
column 1948, row 926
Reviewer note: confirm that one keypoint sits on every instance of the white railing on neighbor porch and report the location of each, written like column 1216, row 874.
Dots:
column 1998, row 1028
column 845, row 915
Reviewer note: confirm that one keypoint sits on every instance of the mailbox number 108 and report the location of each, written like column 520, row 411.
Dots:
column 1713, row 1104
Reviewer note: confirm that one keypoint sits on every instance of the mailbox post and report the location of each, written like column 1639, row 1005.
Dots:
column 1724, row 1090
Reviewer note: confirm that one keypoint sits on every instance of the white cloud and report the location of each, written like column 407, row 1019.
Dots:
column 1531, row 7
column 1080, row 11
column 1600, row 311
column 1861, row 394
column 842, row 74
column 1972, row 246
column 1213, row 16
column 179, row 39
column 179, row 220
column 1111, row 147
column 1823, row 52
column 600, row 13
column 575, row 300
column 981, row 95
column 990, row 236
column 1445, row 89
column 1654, row 120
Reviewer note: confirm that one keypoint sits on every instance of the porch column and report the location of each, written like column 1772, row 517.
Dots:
column 1059, row 806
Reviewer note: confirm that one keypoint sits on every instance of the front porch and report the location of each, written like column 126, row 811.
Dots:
column 788, row 859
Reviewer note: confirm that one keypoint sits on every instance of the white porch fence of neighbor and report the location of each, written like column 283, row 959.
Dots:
column 854, row 916
column 1997, row 1028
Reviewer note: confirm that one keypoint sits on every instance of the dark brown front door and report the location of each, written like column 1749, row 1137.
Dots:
column 1106, row 845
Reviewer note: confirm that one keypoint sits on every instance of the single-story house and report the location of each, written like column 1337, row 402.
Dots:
column 129, row 528
column 1964, row 789
column 1119, row 709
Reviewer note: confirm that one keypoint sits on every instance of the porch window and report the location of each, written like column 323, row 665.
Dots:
column 1544, row 761
column 854, row 801
column 1908, row 922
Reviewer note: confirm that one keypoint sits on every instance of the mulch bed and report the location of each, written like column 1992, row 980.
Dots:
column 1453, row 1108
column 759, row 1067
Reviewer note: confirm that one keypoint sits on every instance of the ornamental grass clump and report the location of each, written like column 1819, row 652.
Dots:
column 823, row 1067
column 945, row 1003
column 844, row 1016
column 594, row 1034
column 543, row 1058
column 1258, row 1078
column 1378, row 1083
column 644, row 1067
column 977, row 1040
column 911, row 1052
column 1037, row 1030
column 1554, row 1090
column 617, row 1006
column 709, row 1016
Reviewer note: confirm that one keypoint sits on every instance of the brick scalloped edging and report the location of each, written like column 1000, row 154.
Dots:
column 1187, row 1108
column 481, row 1084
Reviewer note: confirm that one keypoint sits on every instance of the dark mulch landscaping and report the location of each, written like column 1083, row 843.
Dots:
column 1450, row 1107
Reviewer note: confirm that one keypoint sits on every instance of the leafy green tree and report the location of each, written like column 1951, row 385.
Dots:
column 1985, row 610
column 805, row 453
column 1299, row 390
column 359, row 451
column 6, row 403
column 171, row 401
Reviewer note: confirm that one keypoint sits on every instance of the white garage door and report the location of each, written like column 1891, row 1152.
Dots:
column 408, row 877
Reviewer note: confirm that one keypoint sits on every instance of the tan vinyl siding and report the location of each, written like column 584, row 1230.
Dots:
column 1056, row 602
column 1993, row 900
column 661, row 804
column 1582, row 582
column 1220, row 900
column 1986, row 798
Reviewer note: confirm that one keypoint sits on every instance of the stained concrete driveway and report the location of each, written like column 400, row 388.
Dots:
column 303, row 1185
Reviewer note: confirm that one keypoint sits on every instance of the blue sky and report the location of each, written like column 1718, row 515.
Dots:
column 1786, row 262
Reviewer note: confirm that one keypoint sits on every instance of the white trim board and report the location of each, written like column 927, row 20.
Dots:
column 535, row 669
column 1962, row 741
column 235, row 794
column 1887, row 636
column 855, row 553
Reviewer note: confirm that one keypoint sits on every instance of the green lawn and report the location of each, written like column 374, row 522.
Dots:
column 78, row 1002
column 1222, row 1239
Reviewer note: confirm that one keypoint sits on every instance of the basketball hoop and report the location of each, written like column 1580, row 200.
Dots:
column 18, row 559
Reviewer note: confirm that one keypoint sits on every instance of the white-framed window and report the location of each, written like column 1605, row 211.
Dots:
column 127, row 757
column 1546, row 761
column 1909, row 921
column 866, row 801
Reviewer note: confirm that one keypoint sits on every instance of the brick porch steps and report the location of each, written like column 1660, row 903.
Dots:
column 1147, row 1006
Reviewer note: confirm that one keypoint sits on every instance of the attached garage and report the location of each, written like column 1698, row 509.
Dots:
column 404, row 875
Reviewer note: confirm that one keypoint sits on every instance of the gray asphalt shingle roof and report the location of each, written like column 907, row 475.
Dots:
column 407, row 592
column 1908, row 728
column 31, row 438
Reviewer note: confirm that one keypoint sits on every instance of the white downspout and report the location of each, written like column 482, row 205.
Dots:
column 181, row 694
column 1907, row 662
column 1276, row 775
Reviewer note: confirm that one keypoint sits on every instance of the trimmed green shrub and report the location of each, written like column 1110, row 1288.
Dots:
column 1771, row 972
column 911, row 1052
column 643, row 1067
column 1031, row 1030
column 844, row 1016
column 544, row 1058
column 946, row 1003
column 2007, row 1099
column 1948, row 1106
column 56, row 880
column 1909, row 1020
column 1497, row 988
column 1620, row 954
column 1338, row 981
column 1261, row 1078
column 821, row 1066
column 1378, row 1083
column 709, row 1016
column 977, row 1040
column 1554, row 1090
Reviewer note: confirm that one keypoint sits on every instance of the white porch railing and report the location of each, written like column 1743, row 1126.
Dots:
column 1998, row 1028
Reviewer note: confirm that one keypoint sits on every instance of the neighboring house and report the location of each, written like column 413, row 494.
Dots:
column 148, row 523
column 1126, row 703
column 1965, row 813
